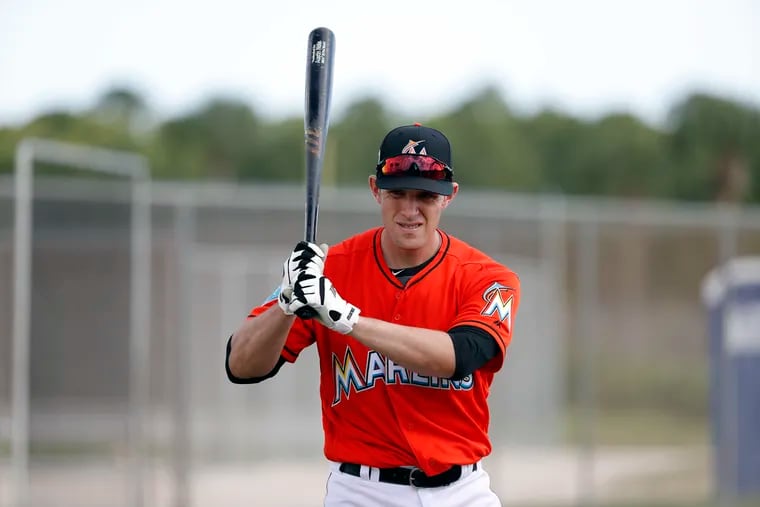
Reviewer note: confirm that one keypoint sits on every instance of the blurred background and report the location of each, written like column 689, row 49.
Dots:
column 608, row 152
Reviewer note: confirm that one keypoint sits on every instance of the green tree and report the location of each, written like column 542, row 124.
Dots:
column 68, row 127
column 277, row 153
column 9, row 139
column 218, row 141
column 556, row 137
column 708, row 150
column 124, row 106
column 712, row 141
column 619, row 156
column 489, row 147
column 354, row 141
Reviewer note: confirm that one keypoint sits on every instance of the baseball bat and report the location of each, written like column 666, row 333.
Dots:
column 319, row 70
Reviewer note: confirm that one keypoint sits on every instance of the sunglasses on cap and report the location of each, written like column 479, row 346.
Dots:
column 426, row 166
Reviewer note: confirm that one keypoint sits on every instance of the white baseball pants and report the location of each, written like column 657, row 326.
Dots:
column 472, row 490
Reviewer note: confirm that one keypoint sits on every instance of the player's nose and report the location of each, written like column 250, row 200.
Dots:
column 410, row 204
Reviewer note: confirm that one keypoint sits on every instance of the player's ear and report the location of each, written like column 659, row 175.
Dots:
column 373, row 187
column 448, row 198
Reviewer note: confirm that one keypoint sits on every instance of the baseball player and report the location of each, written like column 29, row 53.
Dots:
column 410, row 323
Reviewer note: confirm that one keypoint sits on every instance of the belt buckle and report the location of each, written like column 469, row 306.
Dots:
column 412, row 478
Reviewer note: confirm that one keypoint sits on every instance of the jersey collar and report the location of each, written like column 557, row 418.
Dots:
column 386, row 271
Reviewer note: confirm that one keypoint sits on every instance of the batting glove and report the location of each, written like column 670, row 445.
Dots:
column 319, row 294
column 305, row 257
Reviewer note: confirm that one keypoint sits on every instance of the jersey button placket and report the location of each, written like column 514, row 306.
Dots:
column 396, row 314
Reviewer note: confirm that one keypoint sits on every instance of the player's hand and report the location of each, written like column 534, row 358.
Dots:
column 305, row 257
column 319, row 294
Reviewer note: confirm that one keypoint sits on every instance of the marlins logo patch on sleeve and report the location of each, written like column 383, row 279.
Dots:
column 498, row 304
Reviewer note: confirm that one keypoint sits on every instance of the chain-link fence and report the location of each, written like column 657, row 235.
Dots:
column 605, row 391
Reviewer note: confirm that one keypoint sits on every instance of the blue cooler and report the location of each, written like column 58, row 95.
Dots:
column 732, row 295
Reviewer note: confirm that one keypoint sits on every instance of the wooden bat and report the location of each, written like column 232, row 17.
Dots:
column 319, row 70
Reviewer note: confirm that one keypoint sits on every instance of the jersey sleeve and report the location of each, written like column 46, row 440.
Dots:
column 301, row 334
column 489, row 299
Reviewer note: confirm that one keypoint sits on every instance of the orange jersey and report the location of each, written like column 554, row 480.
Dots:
column 378, row 413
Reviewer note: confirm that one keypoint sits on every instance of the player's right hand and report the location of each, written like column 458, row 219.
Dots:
column 318, row 294
column 305, row 257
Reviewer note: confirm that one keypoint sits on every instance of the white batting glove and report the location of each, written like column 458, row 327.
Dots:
column 305, row 257
column 319, row 294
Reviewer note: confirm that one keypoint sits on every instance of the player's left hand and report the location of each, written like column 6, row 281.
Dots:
column 318, row 293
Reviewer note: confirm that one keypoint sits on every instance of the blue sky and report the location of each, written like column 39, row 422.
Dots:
column 585, row 57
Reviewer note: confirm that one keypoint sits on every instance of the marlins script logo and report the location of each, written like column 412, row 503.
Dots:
column 498, row 300
column 349, row 375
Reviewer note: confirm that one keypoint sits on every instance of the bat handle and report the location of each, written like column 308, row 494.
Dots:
column 306, row 312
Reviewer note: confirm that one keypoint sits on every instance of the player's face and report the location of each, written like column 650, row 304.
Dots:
column 411, row 217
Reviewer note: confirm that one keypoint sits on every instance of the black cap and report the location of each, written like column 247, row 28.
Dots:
column 415, row 140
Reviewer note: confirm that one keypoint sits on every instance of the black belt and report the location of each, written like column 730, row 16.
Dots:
column 410, row 476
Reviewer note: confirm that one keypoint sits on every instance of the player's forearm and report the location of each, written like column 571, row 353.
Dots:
column 257, row 344
column 424, row 351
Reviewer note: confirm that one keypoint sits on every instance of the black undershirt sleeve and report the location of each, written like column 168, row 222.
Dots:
column 473, row 348
column 252, row 380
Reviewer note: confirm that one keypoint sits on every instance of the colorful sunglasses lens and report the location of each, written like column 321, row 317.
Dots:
column 427, row 167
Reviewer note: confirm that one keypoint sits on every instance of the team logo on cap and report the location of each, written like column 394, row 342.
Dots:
column 498, row 302
column 410, row 147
